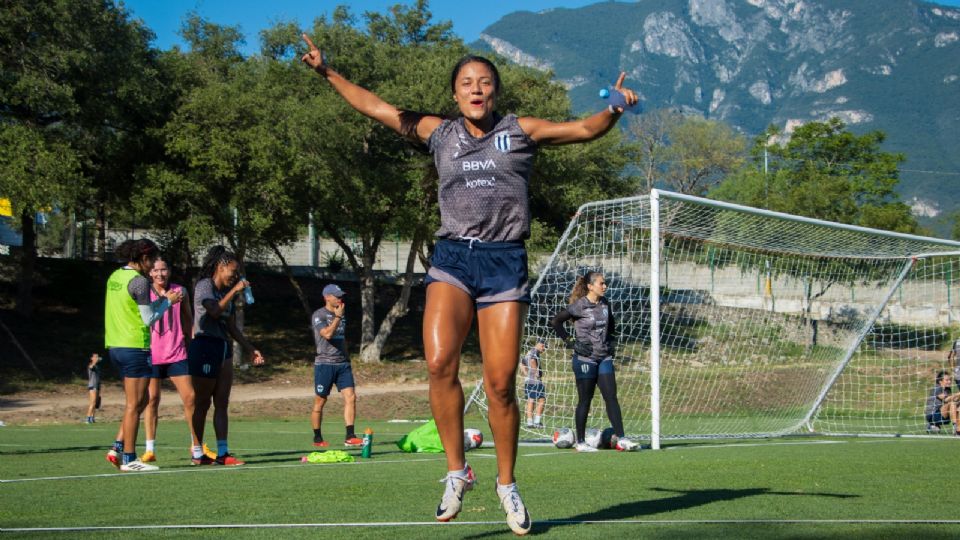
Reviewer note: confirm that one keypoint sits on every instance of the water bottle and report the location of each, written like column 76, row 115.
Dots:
column 367, row 448
column 247, row 293
column 615, row 98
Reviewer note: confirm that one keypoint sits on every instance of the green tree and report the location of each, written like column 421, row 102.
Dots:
column 823, row 171
column 76, row 83
column 699, row 154
column 651, row 133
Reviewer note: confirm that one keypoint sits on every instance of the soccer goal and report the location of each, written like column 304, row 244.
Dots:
column 740, row 322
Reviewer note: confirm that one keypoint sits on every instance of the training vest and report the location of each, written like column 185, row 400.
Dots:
column 123, row 324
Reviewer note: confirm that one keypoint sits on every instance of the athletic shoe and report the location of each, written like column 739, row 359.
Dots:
column 208, row 452
column 320, row 443
column 933, row 428
column 626, row 445
column 353, row 442
column 203, row 460
column 113, row 457
column 584, row 447
column 452, row 499
column 148, row 457
column 229, row 461
column 530, row 424
column 517, row 516
column 538, row 425
column 138, row 466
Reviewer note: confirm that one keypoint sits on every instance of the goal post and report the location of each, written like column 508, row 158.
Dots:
column 741, row 322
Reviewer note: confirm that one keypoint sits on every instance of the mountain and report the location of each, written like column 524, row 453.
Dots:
column 892, row 65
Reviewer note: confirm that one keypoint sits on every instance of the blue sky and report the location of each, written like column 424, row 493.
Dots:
column 469, row 18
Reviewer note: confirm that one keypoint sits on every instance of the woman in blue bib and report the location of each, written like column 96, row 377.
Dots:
column 479, row 265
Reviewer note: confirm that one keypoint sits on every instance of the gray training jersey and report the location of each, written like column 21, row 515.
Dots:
column 203, row 324
column 328, row 351
column 533, row 375
column 592, row 323
column 483, row 181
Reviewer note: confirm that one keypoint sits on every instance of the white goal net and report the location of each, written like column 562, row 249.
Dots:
column 738, row 322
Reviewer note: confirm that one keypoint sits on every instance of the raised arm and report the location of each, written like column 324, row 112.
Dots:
column 588, row 129
column 408, row 124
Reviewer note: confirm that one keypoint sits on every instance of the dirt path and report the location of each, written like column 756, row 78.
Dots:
column 32, row 403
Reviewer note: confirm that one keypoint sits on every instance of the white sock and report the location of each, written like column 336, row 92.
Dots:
column 504, row 490
column 464, row 474
column 536, row 419
column 197, row 452
column 150, row 445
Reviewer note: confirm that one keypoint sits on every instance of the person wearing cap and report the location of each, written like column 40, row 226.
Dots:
column 533, row 387
column 331, row 366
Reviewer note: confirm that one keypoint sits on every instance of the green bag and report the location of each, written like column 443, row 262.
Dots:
column 330, row 456
column 424, row 439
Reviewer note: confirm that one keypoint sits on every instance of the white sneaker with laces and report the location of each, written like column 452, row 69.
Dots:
column 626, row 445
column 584, row 447
column 518, row 519
column 452, row 499
column 138, row 466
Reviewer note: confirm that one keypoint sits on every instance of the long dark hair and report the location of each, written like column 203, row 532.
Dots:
column 474, row 58
column 136, row 250
column 580, row 287
column 216, row 256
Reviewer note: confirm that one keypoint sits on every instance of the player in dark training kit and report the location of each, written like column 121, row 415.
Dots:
column 594, row 329
column 479, row 266
column 331, row 366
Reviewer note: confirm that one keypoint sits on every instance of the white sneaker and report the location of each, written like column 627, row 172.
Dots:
column 452, row 499
column 518, row 519
column 138, row 466
column 626, row 445
column 584, row 447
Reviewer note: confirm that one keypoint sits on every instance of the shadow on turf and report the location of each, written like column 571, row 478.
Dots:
column 683, row 501
column 51, row 450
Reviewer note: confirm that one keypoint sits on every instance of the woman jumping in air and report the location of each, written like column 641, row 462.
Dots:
column 479, row 266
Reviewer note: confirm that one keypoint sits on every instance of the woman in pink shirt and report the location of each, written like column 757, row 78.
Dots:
column 169, row 339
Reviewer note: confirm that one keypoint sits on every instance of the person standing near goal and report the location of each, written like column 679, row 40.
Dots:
column 533, row 388
column 594, row 328
column 332, row 366
column 479, row 266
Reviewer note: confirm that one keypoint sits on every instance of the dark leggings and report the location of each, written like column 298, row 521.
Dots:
column 608, row 389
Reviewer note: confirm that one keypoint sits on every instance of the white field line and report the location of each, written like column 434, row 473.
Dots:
column 499, row 523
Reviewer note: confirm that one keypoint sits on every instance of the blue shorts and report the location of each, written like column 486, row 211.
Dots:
column 174, row 369
column 206, row 355
column 591, row 369
column 937, row 419
column 326, row 375
column 131, row 363
column 490, row 272
column 535, row 390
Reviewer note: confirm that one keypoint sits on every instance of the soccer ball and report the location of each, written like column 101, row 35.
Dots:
column 593, row 437
column 472, row 438
column 563, row 438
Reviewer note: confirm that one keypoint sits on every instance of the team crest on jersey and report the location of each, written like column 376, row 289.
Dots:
column 501, row 141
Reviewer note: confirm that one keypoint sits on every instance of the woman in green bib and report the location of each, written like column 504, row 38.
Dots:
column 128, row 315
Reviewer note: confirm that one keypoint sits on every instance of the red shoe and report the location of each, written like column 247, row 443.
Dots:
column 203, row 460
column 229, row 461
column 320, row 443
column 353, row 442
column 114, row 458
